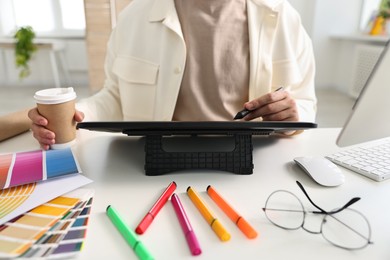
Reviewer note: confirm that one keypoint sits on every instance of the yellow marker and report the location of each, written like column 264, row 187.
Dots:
column 208, row 216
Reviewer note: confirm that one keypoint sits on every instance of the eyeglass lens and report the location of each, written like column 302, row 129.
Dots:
column 348, row 229
column 285, row 210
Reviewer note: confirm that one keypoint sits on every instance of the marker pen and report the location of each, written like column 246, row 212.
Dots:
column 152, row 213
column 130, row 237
column 241, row 223
column 189, row 233
column 208, row 216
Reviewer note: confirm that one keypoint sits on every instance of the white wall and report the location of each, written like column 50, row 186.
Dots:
column 333, row 17
column 323, row 19
column 305, row 9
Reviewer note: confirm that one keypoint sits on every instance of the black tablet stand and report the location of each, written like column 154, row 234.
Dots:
column 158, row 161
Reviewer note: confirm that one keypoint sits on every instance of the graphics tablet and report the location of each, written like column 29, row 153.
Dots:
column 143, row 128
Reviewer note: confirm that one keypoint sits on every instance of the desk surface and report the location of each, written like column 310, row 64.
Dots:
column 115, row 163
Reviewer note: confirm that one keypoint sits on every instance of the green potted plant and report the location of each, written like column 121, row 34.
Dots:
column 384, row 12
column 384, row 9
column 24, row 49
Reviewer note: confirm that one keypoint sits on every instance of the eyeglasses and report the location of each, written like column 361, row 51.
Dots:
column 343, row 227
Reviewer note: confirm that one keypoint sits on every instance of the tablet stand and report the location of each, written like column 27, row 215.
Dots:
column 158, row 161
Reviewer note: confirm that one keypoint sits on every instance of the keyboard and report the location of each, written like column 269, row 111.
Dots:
column 370, row 159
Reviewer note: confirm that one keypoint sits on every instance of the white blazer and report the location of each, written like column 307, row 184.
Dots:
column 146, row 55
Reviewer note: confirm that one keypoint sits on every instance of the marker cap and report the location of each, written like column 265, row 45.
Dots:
column 246, row 228
column 142, row 253
column 220, row 230
column 144, row 224
column 193, row 243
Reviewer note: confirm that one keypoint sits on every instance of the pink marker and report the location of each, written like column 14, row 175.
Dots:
column 186, row 226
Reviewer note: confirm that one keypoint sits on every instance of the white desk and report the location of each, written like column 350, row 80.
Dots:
column 115, row 163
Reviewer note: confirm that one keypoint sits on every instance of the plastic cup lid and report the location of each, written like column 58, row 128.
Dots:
column 54, row 95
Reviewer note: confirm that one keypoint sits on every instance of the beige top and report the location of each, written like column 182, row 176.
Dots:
column 216, row 78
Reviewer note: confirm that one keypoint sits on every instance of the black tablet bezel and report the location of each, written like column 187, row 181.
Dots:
column 143, row 128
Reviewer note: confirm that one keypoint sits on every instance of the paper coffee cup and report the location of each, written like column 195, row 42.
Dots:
column 57, row 105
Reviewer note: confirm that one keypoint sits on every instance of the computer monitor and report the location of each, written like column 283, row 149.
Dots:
column 370, row 116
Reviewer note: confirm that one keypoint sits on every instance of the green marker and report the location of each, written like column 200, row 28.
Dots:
column 128, row 234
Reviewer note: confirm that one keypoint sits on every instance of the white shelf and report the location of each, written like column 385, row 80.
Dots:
column 362, row 38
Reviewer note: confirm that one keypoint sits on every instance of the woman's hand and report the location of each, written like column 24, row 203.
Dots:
column 44, row 136
column 274, row 106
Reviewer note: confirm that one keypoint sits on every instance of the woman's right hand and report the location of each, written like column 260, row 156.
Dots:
column 44, row 136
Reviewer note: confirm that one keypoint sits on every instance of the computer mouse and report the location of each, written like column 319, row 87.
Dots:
column 321, row 170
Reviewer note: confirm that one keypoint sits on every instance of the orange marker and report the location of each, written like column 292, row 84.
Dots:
column 241, row 223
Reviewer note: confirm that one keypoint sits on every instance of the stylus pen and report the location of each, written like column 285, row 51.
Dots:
column 214, row 223
column 244, row 112
column 152, row 213
column 241, row 223
column 189, row 233
column 128, row 234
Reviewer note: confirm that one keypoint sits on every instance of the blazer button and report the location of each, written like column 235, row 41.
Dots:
column 177, row 70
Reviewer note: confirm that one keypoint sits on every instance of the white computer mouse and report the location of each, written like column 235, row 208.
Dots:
column 321, row 170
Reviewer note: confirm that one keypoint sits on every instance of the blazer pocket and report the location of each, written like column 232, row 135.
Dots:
column 285, row 73
column 135, row 70
column 137, row 81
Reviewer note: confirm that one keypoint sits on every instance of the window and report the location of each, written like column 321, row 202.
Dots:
column 49, row 18
column 73, row 17
column 26, row 13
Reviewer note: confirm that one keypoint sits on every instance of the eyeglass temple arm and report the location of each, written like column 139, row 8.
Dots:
column 307, row 196
column 349, row 203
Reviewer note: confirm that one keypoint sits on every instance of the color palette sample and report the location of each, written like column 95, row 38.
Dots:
column 18, row 200
column 33, row 166
column 57, row 227
column 12, row 198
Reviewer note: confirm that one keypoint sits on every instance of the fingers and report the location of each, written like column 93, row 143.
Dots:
column 44, row 136
column 79, row 116
column 36, row 118
column 275, row 106
column 285, row 115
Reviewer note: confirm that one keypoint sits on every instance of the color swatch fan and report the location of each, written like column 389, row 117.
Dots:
column 12, row 198
column 55, row 229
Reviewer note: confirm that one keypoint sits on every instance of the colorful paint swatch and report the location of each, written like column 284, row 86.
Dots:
column 74, row 240
column 36, row 233
column 25, row 233
column 5, row 164
column 60, row 162
column 16, row 201
column 27, row 168
column 12, row 198
column 33, row 166
column 67, row 236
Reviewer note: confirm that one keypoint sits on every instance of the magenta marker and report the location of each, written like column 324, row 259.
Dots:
column 186, row 226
